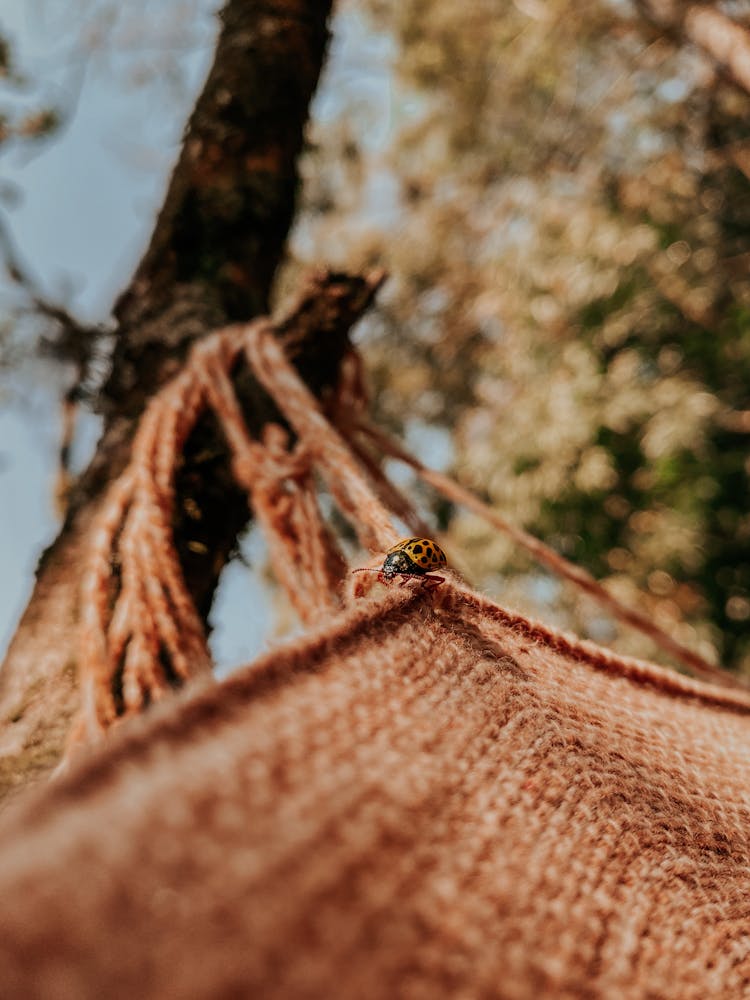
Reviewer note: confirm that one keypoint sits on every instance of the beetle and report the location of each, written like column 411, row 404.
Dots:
column 411, row 559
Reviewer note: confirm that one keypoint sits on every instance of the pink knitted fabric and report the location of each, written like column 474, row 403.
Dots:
column 420, row 801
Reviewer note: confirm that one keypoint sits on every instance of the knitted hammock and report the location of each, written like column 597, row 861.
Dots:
column 424, row 796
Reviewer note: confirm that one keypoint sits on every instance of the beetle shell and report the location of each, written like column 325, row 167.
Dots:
column 415, row 556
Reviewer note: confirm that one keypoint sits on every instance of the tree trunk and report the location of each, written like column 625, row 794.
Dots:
column 214, row 251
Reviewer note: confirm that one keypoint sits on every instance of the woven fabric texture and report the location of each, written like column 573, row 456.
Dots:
column 428, row 798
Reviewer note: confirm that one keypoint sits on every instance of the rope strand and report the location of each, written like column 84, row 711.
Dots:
column 140, row 631
column 558, row 564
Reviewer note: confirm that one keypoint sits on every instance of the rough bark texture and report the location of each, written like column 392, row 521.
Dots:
column 422, row 800
column 215, row 248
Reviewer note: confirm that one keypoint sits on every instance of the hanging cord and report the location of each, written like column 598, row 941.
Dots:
column 140, row 631
column 135, row 607
column 331, row 453
column 281, row 486
column 350, row 398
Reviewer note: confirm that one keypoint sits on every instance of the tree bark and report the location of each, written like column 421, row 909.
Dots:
column 214, row 251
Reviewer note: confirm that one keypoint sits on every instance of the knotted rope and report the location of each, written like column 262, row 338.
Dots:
column 140, row 631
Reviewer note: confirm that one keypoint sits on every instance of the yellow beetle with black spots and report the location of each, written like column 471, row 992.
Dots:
column 412, row 558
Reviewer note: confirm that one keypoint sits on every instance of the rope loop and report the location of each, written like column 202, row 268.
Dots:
column 140, row 632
